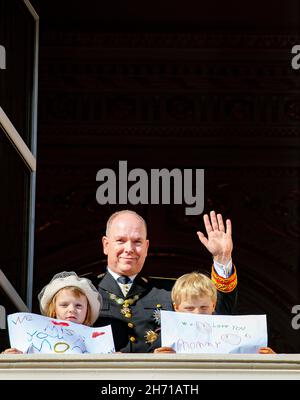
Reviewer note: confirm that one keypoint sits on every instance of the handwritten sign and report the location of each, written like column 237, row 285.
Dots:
column 33, row 333
column 200, row 333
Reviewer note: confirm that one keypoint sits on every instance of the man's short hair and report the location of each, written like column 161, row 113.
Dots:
column 191, row 286
column 117, row 213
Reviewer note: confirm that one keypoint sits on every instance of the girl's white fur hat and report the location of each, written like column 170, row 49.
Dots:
column 65, row 279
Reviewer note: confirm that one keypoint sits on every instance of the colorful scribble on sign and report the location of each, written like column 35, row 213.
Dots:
column 33, row 333
column 199, row 333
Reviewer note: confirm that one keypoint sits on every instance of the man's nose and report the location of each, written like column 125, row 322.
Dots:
column 129, row 246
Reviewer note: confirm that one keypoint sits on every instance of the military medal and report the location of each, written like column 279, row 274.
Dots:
column 157, row 315
column 125, row 303
column 126, row 311
column 151, row 336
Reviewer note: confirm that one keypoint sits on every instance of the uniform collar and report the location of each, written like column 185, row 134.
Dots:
column 109, row 284
column 116, row 276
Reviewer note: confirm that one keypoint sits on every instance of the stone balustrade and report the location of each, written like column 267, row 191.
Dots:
column 150, row 367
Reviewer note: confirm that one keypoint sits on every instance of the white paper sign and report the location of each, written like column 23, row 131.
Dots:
column 200, row 333
column 33, row 333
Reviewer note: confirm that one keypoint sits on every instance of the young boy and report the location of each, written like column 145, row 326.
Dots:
column 70, row 298
column 196, row 293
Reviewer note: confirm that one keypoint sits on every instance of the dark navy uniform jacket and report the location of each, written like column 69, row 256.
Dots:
column 132, row 318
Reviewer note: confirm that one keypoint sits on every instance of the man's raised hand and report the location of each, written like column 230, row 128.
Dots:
column 219, row 240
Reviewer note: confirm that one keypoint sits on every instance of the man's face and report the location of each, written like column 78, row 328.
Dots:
column 199, row 305
column 126, row 245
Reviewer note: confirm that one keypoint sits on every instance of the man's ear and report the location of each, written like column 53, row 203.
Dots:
column 105, row 243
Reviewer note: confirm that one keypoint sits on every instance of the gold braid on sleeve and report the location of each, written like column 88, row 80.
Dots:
column 225, row 285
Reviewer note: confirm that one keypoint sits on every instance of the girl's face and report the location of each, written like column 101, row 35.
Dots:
column 70, row 307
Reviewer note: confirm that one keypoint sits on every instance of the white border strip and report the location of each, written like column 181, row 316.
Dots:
column 17, row 141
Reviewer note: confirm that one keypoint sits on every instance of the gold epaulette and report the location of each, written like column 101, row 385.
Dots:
column 225, row 285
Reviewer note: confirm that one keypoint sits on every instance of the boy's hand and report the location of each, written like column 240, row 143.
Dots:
column 164, row 350
column 266, row 350
column 218, row 241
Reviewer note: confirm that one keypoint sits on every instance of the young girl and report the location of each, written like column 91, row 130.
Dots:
column 70, row 298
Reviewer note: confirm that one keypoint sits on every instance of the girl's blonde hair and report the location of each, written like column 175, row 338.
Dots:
column 50, row 311
column 191, row 286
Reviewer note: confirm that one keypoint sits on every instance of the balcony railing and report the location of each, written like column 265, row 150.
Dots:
column 150, row 367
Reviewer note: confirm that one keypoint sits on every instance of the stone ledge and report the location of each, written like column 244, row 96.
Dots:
column 150, row 366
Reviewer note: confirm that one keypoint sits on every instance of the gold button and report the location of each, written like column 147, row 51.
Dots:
column 132, row 339
column 158, row 305
column 130, row 325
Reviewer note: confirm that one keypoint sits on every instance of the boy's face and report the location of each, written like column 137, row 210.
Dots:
column 199, row 305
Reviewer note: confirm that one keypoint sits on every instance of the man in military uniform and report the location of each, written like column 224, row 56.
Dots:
column 131, row 303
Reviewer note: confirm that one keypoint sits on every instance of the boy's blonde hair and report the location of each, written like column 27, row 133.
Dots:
column 191, row 286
